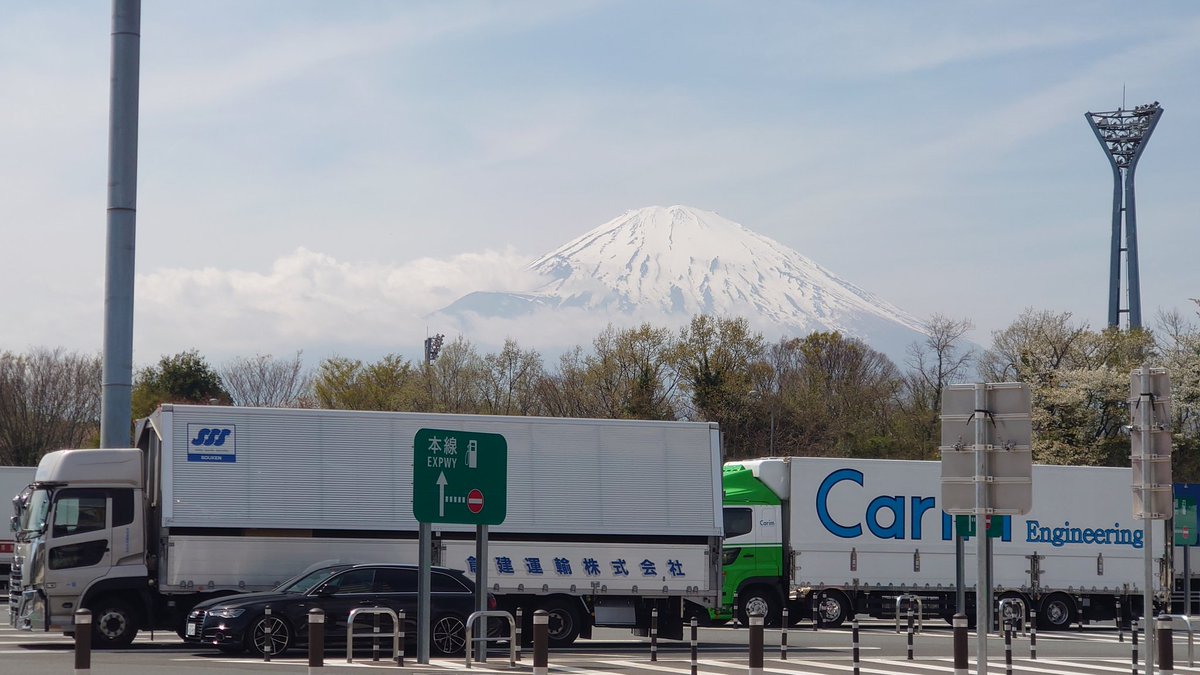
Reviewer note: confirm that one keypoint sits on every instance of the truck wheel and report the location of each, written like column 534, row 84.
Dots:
column 833, row 609
column 1057, row 612
column 114, row 624
column 563, row 624
column 280, row 638
column 761, row 601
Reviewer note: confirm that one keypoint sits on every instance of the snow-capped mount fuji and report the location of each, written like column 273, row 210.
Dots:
column 675, row 262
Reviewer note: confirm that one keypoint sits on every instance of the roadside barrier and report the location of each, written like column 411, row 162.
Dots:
column 540, row 629
column 910, row 633
column 854, row 655
column 783, row 635
column 1187, row 621
column 511, row 637
column 816, row 611
column 316, row 638
column 1166, row 647
column 83, row 641
column 756, row 645
column 695, row 662
column 1017, row 613
column 374, row 612
column 960, row 644
column 910, row 598
column 654, row 634
column 400, row 629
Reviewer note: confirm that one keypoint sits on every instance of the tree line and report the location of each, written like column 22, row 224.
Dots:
column 823, row 394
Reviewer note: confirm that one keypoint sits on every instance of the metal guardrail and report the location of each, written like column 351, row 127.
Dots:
column 511, row 637
column 359, row 611
column 1005, row 603
column 920, row 611
column 1187, row 621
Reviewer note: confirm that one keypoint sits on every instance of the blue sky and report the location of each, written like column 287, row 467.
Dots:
column 320, row 176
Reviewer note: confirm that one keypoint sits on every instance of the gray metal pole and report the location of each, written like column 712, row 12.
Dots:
column 1147, row 521
column 481, row 582
column 117, row 379
column 425, row 564
column 960, row 572
column 1187, row 581
column 1114, row 272
column 982, row 608
column 1131, row 254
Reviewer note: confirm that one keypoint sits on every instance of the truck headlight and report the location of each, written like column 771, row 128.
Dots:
column 729, row 555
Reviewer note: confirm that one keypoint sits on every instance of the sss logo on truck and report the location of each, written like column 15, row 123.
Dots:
column 212, row 443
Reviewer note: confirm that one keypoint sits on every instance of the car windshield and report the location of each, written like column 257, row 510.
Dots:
column 302, row 583
column 32, row 520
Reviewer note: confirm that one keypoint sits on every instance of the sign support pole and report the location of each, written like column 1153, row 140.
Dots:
column 481, row 582
column 982, row 583
column 423, row 605
column 1148, row 473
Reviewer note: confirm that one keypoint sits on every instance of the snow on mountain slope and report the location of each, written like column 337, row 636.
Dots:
column 677, row 262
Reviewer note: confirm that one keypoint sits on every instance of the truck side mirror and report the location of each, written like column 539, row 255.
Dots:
column 12, row 523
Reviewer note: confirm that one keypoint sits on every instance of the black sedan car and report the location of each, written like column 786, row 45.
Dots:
column 238, row 623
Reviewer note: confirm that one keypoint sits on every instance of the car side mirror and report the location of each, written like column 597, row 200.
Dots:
column 12, row 523
column 325, row 591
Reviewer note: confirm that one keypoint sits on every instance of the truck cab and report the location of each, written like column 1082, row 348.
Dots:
column 80, row 544
column 752, row 557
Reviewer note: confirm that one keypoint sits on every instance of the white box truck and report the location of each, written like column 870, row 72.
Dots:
column 13, row 479
column 849, row 536
column 606, row 519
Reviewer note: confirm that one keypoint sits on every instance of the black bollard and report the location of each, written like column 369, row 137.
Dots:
column 1007, row 647
column 654, row 634
column 1120, row 628
column 1166, row 646
column 816, row 614
column 268, row 637
column 783, row 635
column 518, row 634
column 694, row 644
column 316, row 638
column 1033, row 635
column 910, row 633
column 1133, row 633
column 960, row 644
column 756, row 645
column 541, row 628
column 735, row 608
column 83, row 641
column 854, row 644
column 375, row 637
column 400, row 630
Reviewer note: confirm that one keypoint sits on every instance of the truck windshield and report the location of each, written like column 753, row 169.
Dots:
column 32, row 520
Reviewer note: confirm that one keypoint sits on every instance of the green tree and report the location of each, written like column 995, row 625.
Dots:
column 392, row 383
column 185, row 377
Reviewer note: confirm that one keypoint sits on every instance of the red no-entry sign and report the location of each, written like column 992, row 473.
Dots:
column 475, row 501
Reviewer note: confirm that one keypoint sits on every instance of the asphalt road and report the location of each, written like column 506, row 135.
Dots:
column 721, row 651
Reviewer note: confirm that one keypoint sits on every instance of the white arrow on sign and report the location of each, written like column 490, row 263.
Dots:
column 441, row 482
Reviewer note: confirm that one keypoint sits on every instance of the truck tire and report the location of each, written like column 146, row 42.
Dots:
column 833, row 608
column 280, row 639
column 563, row 624
column 114, row 624
column 760, row 600
column 1057, row 612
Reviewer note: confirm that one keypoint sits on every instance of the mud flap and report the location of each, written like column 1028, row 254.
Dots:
column 670, row 618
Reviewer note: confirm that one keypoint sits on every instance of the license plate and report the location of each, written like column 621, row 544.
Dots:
column 191, row 630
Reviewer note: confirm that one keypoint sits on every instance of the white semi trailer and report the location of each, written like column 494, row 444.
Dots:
column 850, row 536
column 606, row 519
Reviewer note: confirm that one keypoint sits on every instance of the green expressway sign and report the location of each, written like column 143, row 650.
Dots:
column 460, row 477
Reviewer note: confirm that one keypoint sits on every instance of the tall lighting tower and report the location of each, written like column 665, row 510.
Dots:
column 1124, row 134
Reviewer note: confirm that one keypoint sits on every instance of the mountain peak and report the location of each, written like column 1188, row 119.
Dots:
column 679, row 261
